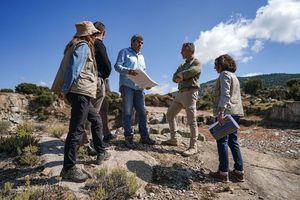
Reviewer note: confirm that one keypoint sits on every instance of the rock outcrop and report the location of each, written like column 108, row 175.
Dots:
column 13, row 107
column 288, row 112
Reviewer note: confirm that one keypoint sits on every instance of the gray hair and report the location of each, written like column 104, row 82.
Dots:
column 135, row 37
column 190, row 46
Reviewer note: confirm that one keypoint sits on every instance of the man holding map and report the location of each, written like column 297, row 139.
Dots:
column 130, row 63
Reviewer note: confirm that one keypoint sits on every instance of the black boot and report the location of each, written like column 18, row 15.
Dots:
column 129, row 142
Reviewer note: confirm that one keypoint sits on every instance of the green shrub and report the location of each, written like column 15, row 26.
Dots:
column 33, row 192
column 30, row 88
column 204, row 105
column 29, row 156
column 14, row 144
column 118, row 184
column 7, row 188
column 294, row 88
column 45, row 99
column 252, row 86
column 25, row 128
column 82, row 152
column 4, row 127
column 7, row 90
column 58, row 131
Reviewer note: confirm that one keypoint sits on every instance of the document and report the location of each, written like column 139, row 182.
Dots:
column 142, row 79
column 218, row 131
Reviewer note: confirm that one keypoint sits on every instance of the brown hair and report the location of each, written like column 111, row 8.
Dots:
column 226, row 63
column 90, row 39
column 100, row 26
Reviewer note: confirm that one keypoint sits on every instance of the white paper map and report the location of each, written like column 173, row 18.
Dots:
column 142, row 79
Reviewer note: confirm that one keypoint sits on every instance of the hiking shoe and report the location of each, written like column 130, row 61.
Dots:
column 102, row 157
column 129, row 142
column 147, row 140
column 237, row 175
column 109, row 137
column 170, row 142
column 190, row 151
column 90, row 150
column 73, row 174
column 220, row 176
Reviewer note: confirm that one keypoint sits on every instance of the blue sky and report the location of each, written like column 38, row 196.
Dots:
column 263, row 36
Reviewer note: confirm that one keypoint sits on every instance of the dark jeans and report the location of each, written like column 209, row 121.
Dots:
column 230, row 140
column 133, row 98
column 82, row 110
column 103, row 114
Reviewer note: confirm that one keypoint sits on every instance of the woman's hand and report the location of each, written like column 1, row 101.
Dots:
column 62, row 96
column 221, row 118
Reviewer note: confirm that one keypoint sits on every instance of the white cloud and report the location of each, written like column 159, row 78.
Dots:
column 42, row 83
column 257, row 46
column 165, row 76
column 251, row 74
column 163, row 88
column 246, row 59
column 278, row 21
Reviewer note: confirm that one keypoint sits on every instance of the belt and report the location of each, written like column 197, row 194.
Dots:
column 187, row 89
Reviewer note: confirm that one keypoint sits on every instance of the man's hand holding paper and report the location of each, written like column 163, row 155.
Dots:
column 140, row 78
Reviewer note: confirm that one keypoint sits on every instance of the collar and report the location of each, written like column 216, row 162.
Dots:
column 132, row 50
column 190, row 60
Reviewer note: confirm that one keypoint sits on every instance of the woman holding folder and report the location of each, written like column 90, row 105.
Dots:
column 228, row 101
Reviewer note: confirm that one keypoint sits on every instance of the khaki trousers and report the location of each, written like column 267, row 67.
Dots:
column 186, row 100
column 97, row 102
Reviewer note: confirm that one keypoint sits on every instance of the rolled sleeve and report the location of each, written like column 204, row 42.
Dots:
column 119, row 66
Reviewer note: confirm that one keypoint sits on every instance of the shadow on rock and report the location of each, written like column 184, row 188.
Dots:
column 176, row 176
column 120, row 146
column 141, row 169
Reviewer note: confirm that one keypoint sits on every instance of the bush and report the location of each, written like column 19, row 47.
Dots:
column 82, row 152
column 58, row 131
column 294, row 88
column 118, row 185
column 7, row 90
column 252, row 86
column 4, row 127
column 45, row 99
column 206, row 102
column 29, row 88
column 14, row 144
column 46, row 192
column 25, row 128
column 29, row 156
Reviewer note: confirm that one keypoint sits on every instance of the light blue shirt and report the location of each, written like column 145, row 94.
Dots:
column 77, row 62
column 128, row 59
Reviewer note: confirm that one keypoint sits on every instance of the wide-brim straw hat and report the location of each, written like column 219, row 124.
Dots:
column 85, row 28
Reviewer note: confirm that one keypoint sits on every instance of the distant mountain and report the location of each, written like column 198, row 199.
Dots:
column 276, row 80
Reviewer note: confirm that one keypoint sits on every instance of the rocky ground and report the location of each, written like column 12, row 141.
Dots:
column 271, row 165
column 271, row 155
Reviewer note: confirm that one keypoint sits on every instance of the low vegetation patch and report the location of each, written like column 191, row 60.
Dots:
column 14, row 144
column 30, row 156
column 116, row 185
column 4, row 127
column 48, row 192
column 6, row 90
column 58, row 131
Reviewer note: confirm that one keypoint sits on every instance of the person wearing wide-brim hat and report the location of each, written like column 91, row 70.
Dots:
column 76, row 81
